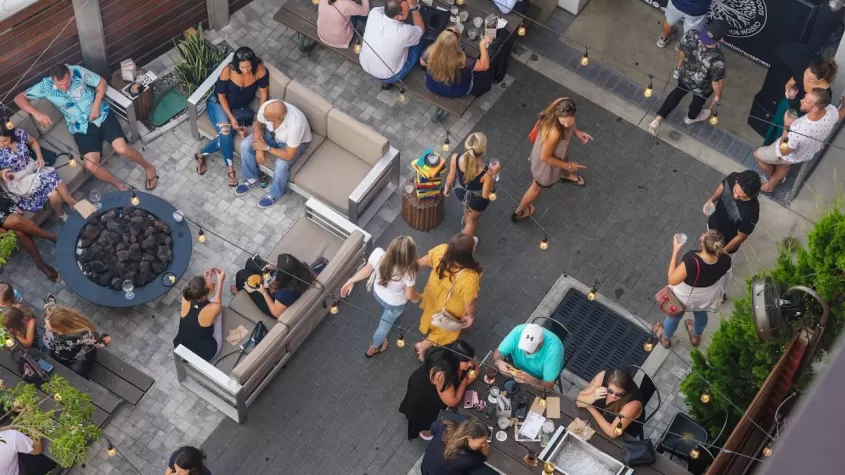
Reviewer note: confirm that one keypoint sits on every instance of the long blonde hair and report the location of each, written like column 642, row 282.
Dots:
column 456, row 436
column 563, row 107
column 67, row 321
column 399, row 260
column 476, row 146
column 446, row 58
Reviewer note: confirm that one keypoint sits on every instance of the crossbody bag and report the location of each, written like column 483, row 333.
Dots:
column 445, row 320
column 667, row 300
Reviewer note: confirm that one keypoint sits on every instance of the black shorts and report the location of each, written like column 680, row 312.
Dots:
column 92, row 140
column 474, row 202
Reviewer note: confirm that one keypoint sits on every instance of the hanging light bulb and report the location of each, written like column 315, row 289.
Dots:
column 784, row 144
column 593, row 292
column 357, row 47
column 714, row 119
column 694, row 453
column 492, row 196
column 334, row 310
column 400, row 342
column 543, row 400
column 200, row 236
column 650, row 89
column 402, row 97
column 544, row 244
column 767, row 451
column 133, row 198
column 459, row 2
column 549, row 468
column 9, row 124
column 10, row 342
column 471, row 373
column 111, row 450
column 705, row 397
column 585, row 60
column 71, row 162
column 521, row 31
column 618, row 429
column 648, row 345
column 446, row 144
column 315, row 2
column 57, row 397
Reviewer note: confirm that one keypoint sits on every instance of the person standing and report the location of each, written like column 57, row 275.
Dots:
column 456, row 448
column 702, row 73
column 392, row 47
column 800, row 140
column 549, row 157
column 20, row 454
column 393, row 273
column 692, row 13
column 472, row 180
column 79, row 95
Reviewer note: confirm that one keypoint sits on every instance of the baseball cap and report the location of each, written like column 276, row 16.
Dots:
column 531, row 338
column 714, row 32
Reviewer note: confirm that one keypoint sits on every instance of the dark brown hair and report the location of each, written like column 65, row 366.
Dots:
column 457, row 435
column 196, row 289
column 15, row 319
column 59, row 71
column 292, row 274
column 458, row 256
column 7, row 292
column 621, row 379
column 823, row 69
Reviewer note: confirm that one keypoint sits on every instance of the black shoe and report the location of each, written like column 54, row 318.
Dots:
column 386, row 86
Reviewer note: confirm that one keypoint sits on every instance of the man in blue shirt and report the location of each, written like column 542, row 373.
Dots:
column 78, row 93
column 536, row 352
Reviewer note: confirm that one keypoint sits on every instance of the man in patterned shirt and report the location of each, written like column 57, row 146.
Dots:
column 702, row 73
column 78, row 93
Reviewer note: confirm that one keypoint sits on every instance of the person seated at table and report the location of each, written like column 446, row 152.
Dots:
column 9, row 296
column 337, row 18
column 438, row 383
column 456, row 448
column 22, row 324
column 613, row 398
column 11, row 219
column 392, row 47
column 450, row 73
column 71, row 338
column 228, row 108
column 290, row 279
column 536, row 354
column 30, row 183
column 201, row 322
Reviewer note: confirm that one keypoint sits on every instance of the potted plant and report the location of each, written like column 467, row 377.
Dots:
column 198, row 59
column 8, row 245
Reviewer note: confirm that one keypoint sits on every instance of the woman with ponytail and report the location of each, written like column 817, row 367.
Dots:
column 820, row 73
column 472, row 180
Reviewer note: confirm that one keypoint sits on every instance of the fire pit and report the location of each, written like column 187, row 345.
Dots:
column 142, row 244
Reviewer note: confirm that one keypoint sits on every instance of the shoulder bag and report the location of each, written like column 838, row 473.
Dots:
column 667, row 300
column 637, row 452
column 445, row 320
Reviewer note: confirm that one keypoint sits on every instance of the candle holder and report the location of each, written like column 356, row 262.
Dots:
column 531, row 459
column 549, row 468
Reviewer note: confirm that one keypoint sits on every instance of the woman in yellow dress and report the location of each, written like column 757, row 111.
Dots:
column 448, row 261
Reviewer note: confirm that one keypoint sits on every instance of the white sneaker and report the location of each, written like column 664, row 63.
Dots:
column 654, row 127
column 703, row 115
column 676, row 73
column 661, row 42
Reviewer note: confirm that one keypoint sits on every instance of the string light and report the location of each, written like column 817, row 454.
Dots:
column 767, row 451
column 714, row 119
column 315, row 2
column 9, row 342
column 133, row 198
column 585, row 60
column 446, row 144
column 705, row 397
column 492, row 196
column 200, row 236
column 9, row 124
column 521, row 31
column 459, row 2
column 357, row 47
column 618, row 430
column 694, row 453
column 544, row 244
column 593, row 292
column 549, row 468
column 400, row 342
column 334, row 310
column 57, row 397
column 472, row 372
column 71, row 162
column 648, row 345
column 784, row 147
column 650, row 89
column 111, row 450
column 402, row 97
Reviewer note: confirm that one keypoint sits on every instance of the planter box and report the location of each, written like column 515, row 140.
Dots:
column 572, row 6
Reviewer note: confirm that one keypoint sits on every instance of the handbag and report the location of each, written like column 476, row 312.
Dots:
column 637, row 452
column 668, row 302
column 25, row 181
column 532, row 136
column 445, row 320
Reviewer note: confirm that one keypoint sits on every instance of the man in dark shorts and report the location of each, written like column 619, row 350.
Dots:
column 78, row 93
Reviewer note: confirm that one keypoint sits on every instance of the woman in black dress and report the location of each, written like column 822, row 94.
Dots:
column 615, row 392
column 439, row 383
column 473, row 180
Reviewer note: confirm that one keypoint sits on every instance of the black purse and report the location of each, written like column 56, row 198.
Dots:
column 637, row 452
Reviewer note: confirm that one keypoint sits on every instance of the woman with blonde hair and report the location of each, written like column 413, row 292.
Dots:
column 456, row 448
column 450, row 73
column 697, row 282
column 71, row 338
column 474, row 180
column 549, row 157
column 392, row 275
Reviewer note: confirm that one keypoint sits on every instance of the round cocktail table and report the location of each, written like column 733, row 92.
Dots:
column 79, row 284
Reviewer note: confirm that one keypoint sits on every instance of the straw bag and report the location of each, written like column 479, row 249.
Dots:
column 445, row 320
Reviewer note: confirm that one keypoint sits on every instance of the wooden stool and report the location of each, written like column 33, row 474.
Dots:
column 422, row 215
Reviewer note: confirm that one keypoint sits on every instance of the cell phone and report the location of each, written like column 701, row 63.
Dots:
column 489, row 434
column 47, row 367
column 521, row 410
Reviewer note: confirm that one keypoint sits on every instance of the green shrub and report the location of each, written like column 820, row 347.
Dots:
column 8, row 245
column 199, row 59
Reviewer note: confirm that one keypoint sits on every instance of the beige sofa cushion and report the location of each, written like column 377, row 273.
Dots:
column 331, row 174
column 315, row 108
column 247, row 308
column 260, row 359
column 278, row 83
column 307, row 242
column 232, row 320
column 24, row 121
column 46, row 107
column 359, row 139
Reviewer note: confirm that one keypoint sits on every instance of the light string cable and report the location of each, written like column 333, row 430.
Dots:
column 113, row 448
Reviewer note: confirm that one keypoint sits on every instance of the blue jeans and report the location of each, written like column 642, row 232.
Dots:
column 671, row 324
column 223, row 143
column 281, row 172
column 390, row 314
column 410, row 63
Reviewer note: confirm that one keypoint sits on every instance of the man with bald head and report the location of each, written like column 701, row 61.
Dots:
column 280, row 134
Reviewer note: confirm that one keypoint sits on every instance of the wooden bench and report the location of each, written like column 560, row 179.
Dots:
column 301, row 15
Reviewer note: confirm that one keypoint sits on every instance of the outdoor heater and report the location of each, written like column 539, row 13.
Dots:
column 573, row 455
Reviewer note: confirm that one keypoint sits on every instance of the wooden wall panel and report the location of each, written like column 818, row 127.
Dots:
column 235, row 5
column 26, row 35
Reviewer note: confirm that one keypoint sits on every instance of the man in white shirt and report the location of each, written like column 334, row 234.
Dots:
column 392, row 47
column 804, row 137
column 280, row 132
column 13, row 443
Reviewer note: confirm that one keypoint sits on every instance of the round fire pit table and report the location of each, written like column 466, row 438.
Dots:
column 81, row 285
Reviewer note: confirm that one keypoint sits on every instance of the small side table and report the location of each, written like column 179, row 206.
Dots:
column 143, row 103
column 422, row 215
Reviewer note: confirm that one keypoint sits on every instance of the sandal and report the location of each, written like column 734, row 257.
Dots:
column 522, row 214
column 417, row 348
column 694, row 339
column 372, row 351
column 657, row 329
column 578, row 182
column 151, row 183
column 201, row 168
column 51, row 274
column 233, row 179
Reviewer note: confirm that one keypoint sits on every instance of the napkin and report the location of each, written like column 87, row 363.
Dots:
column 85, row 208
column 236, row 335
column 577, row 428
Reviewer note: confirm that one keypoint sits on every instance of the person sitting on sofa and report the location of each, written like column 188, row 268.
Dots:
column 281, row 132
column 228, row 109
column 29, row 182
column 79, row 94
column 392, row 47
column 288, row 281
column 201, row 325
column 11, row 219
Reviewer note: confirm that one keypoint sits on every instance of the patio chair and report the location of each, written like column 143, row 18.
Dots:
column 647, row 389
column 560, row 330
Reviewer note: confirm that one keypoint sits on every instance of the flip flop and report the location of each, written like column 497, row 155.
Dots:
column 200, row 158
column 151, row 187
column 233, row 289
column 516, row 217
column 383, row 347
column 233, row 179
column 52, row 274
column 657, row 329
column 694, row 339
column 578, row 182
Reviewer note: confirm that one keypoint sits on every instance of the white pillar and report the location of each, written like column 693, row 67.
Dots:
column 92, row 40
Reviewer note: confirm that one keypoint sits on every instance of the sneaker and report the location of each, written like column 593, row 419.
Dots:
column 654, row 127
column 244, row 187
column 386, row 86
column 703, row 115
column 676, row 73
column 661, row 42
column 49, row 298
column 266, row 202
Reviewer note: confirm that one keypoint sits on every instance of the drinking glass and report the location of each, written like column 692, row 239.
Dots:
column 450, row 2
column 464, row 15
column 490, row 377
column 178, row 215
column 128, row 287
column 454, row 11
column 709, row 208
column 472, row 34
column 477, row 22
column 428, row 3
column 680, row 238
column 95, row 197
column 792, row 113
column 453, row 20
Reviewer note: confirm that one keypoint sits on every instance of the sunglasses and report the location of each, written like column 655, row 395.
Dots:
column 617, row 394
column 567, row 109
column 245, row 55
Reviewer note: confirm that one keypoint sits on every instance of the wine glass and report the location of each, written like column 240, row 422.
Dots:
column 95, row 197
column 178, row 215
column 128, row 287
column 472, row 34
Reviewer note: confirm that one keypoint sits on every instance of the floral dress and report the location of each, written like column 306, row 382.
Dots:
column 17, row 158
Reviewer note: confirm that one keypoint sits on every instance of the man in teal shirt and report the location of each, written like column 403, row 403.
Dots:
column 537, row 355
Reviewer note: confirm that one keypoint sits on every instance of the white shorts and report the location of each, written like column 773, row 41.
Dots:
column 675, row 16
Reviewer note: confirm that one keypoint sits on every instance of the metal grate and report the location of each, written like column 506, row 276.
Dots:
column 600, row 338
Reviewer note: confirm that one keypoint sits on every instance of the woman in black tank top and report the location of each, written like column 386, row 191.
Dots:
column 614, row 392
column 201, row 322
column 473, row 181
